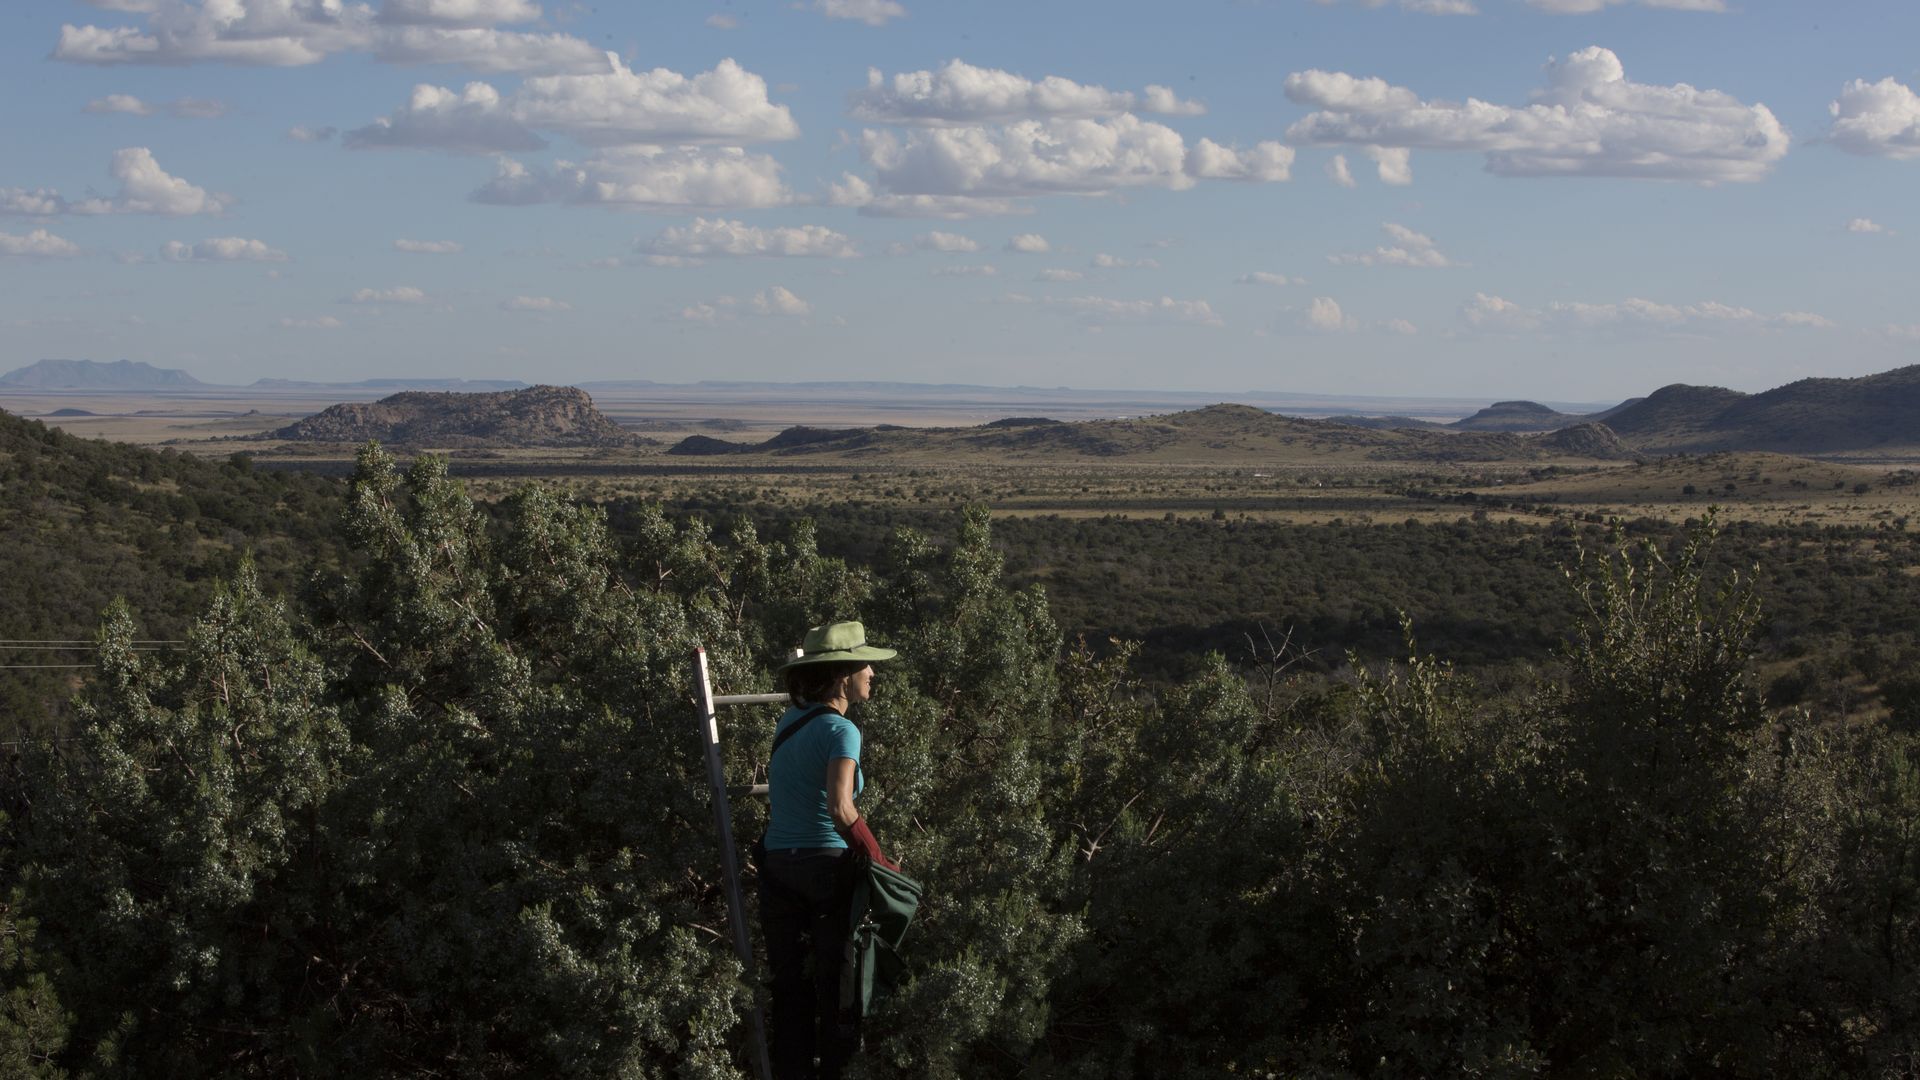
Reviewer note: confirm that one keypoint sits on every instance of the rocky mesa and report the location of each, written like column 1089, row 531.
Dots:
column 539, row 416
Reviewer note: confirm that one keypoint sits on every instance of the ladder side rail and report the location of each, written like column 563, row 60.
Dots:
column 729, row 860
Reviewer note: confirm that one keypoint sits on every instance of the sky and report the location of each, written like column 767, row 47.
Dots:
column 1562, row 200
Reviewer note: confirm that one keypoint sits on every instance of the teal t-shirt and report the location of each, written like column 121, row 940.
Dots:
column 797, row 779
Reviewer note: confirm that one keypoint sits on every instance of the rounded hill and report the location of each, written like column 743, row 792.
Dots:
column 539, row 416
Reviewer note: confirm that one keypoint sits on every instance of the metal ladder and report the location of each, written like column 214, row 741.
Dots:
column 709, row 722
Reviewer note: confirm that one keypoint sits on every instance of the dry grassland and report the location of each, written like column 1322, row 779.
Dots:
column 1307, row 483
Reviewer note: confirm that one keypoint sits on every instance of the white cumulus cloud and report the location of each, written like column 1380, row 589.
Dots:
column 1058, row 156
column 38, row 244
column 1496, row 313
column 1589, row 120
column 708, row 237
column 1404, row 248
column 487, row 50
column 472, row 121
column 959, row 93
column 1865, row 225
column 609, row 108
column 291, row 33
column 1028, row 244
column 852, row 191
column 324, row 322
column 145, row 188
column 1263, row 277
column 777, row 300
column 458, row 12
column 399, row 294
column 120, row 103
column 1056, row 274
column 1324, row 315
column 1268, row 162
column 619, row 106
column 541, row 304
column 1162, row 100
column 1104, row 261
column 710, row 313
column 645, row 177
column 871, row 12
column 952, row 243
column 221, row 249
column 1880, row 119
column 966, row 270
column 185, row 108
column 1099, row 310
column 1394, row 164
column 1031, row 157
column 1337, row 170
column 429, row 247
column 34, row 202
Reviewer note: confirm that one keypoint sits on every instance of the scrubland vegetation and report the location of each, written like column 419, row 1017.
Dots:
column 419, row 793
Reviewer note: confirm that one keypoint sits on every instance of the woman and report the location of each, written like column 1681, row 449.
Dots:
column 813, row 830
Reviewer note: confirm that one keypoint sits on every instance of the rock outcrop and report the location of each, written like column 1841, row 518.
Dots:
column 539, row 416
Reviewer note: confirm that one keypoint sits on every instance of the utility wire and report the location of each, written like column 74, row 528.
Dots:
column 73, row 648
column 89, row 642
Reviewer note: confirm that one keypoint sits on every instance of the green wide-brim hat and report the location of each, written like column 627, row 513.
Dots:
column 837, row 642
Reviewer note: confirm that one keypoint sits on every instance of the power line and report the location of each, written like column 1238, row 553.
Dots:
column 73, row 648
column 89, row 642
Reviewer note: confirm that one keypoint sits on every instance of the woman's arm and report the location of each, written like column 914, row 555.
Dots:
column 846, row 819
column 840, row 792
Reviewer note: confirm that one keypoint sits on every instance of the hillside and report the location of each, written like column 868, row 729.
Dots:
column 1215, row 433
column 1673, row 412
column 1811, row 416
column 1515, row 416
column 94, row 375
column 539, row 416
column 83, row 521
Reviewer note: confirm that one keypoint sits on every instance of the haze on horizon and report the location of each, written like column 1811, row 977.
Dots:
column 1564, row 200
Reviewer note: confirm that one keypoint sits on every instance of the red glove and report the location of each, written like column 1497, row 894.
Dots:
column 860, row 839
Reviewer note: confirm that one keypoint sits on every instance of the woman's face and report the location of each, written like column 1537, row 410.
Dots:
column 860, row 685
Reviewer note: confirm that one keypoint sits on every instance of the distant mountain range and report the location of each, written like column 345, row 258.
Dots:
column 1216, row 432
column 544, row 416
column 1811, row 416
column 458, row 385
column 94, row 375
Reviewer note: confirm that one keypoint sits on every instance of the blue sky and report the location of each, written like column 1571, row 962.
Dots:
column 1568, row 200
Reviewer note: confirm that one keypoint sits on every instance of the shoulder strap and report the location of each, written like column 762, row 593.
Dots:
column 790, row 732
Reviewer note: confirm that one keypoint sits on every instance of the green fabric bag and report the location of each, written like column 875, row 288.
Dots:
column 882, row 907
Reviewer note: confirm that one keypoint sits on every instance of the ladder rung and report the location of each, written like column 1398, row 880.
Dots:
column 746, row 789
column 748, row 699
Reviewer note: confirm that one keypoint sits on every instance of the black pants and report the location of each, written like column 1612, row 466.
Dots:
column 803, row 911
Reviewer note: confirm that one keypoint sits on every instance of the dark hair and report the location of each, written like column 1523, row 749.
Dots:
column 811, row 682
